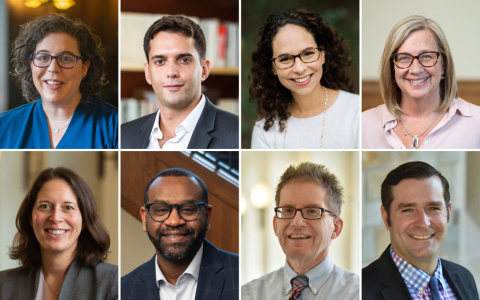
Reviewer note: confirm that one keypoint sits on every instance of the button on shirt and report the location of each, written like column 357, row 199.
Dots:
column 326, row 281
column 417, row 280
column 183, row 132
column 186, row 286
column 458, row 129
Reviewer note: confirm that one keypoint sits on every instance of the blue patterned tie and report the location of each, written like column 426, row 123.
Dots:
column 298, row 284
column 434, row 289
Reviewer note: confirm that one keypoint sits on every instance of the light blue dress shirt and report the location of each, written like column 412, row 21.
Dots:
column 326, row 281
column 94, row 125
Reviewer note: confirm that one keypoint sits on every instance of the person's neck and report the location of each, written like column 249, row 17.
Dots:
column 171, row 117
column 304, row 106
column 171, row 270
column 56, row 264
column 57, row 112
column 416, row 108
column 301, row 265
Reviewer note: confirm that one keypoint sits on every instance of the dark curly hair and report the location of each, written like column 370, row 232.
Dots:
column 33, row 32
column 272, row 98
column 93, row 241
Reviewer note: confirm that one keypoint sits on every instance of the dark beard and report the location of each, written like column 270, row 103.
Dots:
column 190, row 250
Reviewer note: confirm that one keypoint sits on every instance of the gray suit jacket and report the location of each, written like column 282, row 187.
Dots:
column 95, row 283
column 216, row 129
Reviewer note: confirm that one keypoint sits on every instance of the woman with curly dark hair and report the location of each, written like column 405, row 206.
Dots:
column 61, row 243
column 304, row 102
column 59, row 64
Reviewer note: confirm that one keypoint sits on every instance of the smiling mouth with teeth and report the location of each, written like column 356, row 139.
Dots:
column 300, row 80
column 298, row 236
column 418, row 81
column 51, row 82
column 422, row 237
column 56, row 232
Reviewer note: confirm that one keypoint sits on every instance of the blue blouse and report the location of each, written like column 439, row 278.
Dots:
column 94, row 125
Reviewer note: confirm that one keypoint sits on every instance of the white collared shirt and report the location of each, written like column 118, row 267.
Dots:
column 186, row 285
column 183, row 132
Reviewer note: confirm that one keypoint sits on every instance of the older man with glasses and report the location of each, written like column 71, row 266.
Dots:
column 307, row 218
column 176, row 217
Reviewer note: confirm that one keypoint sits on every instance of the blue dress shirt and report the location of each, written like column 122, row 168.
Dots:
column 94, row 125
column 326, row 281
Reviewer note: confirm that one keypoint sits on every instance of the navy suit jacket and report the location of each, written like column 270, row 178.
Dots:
column 218, row 278
column 382, row 280
column 216, row 129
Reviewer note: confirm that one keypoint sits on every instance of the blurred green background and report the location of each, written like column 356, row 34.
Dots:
column 341, row 14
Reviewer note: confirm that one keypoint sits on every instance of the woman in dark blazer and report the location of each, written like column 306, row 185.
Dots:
column 61, row 244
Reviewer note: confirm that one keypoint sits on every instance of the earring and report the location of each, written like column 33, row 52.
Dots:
column 443, row 77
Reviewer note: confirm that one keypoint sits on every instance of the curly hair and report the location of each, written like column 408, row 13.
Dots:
column 93, row 241
column 272, row 98
column 33, row 32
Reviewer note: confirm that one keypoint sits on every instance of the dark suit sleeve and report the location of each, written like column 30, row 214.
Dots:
column 136, row 134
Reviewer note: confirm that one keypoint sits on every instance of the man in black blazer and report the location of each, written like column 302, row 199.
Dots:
column 416, row 209
column 176, row 66
column 176, row 217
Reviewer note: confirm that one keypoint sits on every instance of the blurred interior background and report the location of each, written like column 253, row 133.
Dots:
column 459, row 22
column 261, row 252
column 101, row 16
column 461, row 169
column 18, row 170
column 341, row 14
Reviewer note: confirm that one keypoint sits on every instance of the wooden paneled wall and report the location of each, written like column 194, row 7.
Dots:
column 371, row 97
column 138, row 168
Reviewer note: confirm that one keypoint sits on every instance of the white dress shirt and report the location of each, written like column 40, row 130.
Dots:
column 186, row 285
column 183, row 132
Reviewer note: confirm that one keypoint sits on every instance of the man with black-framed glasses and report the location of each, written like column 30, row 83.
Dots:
column 308, row 202
column 176, row 217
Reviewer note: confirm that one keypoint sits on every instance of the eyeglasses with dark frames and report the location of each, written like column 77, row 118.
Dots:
column 65, row 61
column 308, row 213
column 426, row 59
column 307, row 56
column 188, row 211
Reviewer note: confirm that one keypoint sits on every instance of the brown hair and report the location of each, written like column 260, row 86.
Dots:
column 308, row 171
column 93, row 242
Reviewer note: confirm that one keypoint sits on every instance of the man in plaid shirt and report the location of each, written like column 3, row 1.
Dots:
column 416, row 209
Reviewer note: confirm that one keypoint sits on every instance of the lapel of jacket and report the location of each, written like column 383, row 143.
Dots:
column 145, row 130
column 148, row 277
column 390, row 276
column 206, row 124
column 455, row 282
column 69, row 286
column 210, row 280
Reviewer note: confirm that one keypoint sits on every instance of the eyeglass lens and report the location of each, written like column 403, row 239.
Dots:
column 43, row 60
column 311, row 213
column 307, row 56
column 161, row 211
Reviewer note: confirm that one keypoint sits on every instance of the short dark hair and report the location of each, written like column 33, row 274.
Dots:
column 178, row 172
column 176, row 24
column 93, row 241
column 89, row 45
column 272, row 98
column 319, row 174
column 411, row 170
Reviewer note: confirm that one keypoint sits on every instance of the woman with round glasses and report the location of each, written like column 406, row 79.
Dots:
column 422, row 109
column 299, row 84
column 61, row 244
column 59, row 64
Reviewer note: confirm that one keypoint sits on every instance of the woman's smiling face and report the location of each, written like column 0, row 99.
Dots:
column 418, row 82
column 302, row 78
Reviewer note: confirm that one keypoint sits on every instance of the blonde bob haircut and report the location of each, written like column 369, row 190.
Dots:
column 391, row 93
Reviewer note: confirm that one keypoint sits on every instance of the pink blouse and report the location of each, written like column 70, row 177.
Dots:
column 458, row 129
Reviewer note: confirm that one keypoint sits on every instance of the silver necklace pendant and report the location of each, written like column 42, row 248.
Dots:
column 56, row 130
column 415, row 142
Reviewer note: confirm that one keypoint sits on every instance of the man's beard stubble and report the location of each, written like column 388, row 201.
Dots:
column 189, row 251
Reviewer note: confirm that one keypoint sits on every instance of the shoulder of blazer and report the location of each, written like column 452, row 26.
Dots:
column 460, row 279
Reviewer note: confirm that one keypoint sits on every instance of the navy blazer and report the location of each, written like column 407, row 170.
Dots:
column 216, row 129
column 218, row 278
column 382, row 280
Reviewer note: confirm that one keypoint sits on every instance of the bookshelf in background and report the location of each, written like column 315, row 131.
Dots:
column 222, row 86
